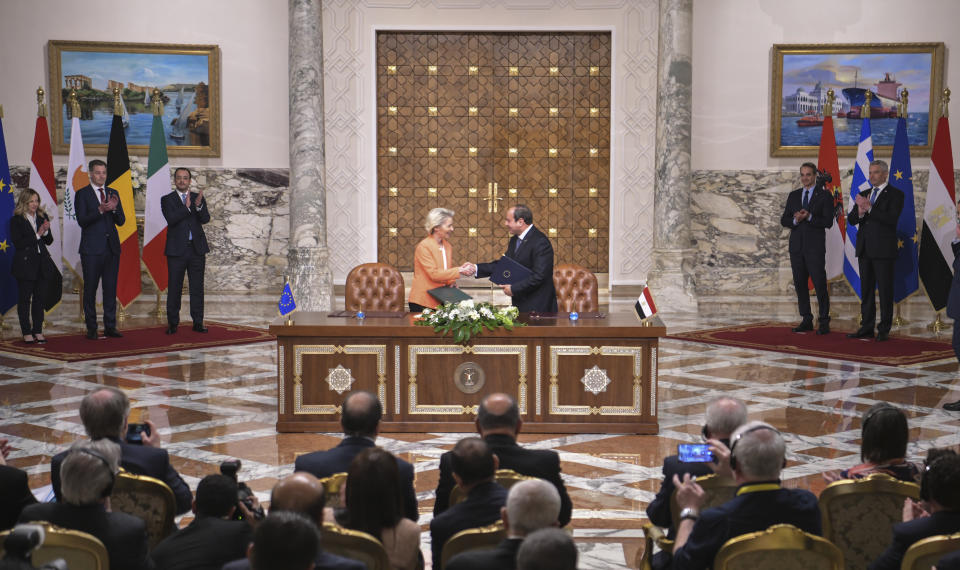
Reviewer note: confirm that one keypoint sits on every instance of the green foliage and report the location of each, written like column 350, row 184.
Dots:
column 466, row 319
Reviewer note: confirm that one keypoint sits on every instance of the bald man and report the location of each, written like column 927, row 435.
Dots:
column 498, row 423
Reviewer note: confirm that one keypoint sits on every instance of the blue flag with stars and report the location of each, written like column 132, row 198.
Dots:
column 906, row 278
column 8, row 285
column 287, row 304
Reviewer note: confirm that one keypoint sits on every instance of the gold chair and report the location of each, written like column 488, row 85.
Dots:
column 355, row 545
column 332, row 487
column 482, row 538
column 780, row 547
column 925, row 553
column 80, row 550
column 577, row 288
column 374, row 287
column 149, row 499
column 859, row 514
column 505, row 477
column 718, row 490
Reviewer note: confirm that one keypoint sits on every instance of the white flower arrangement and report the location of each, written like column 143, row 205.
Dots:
column 467, row 319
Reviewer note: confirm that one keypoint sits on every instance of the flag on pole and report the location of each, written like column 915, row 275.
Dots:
column 8, row 285
column 851, row 268
column 154, row 224
column 827, row 161
column 77, row 178
column 939, row 220
column 644, row 305
column 118, row 178
column 286, row 305
column 906, row 281
column 44, row 182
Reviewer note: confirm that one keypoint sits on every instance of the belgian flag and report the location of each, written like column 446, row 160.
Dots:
column 118, row 178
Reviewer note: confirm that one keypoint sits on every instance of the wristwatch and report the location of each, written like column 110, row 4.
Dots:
column 689, row 513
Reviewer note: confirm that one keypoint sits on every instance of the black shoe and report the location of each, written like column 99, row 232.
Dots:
column 198, row 327
column 40, row 340
column 172, row 329
column 803, row 327
column 861, row 333
column 883, row 336
column 952, row 406
column 92, row 334
column 31, row 341
column 114, row 333
column 824, row 328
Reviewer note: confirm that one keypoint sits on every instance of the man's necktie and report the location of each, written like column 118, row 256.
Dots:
column 873, row 197
column 103, row 197
column 806, row 199
column 183, row 197
column 516, row 246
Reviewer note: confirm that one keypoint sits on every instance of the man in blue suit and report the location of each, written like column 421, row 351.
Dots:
column 953, row 307
column 99, row 212
column 186, row 248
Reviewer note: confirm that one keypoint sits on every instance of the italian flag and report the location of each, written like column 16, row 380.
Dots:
column 118, row 178
column 154, row 224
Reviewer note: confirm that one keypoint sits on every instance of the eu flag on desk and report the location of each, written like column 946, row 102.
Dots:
column 287, row 304
column 8, row 284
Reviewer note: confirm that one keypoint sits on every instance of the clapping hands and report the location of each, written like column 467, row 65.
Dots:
column 111, row 204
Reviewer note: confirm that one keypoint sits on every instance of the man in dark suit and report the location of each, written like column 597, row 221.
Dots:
column 361, row 424
column 15, row 494
column 89, row 471
column 498, row 423
column 939, row 513
column 213, row 538
column 99, row 212
column 532, row 249
column 186, row 249
column 104, row 415
column 757, row 455
column 953, row 306
column 875, row 214
column 474, row 465
column 284, row 541
column 531, row 506
column 808, row 213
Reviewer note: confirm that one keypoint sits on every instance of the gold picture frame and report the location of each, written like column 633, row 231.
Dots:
column 803, row 73
column 187, row 75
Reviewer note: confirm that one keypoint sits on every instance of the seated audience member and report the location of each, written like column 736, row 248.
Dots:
column 361, row 423
column 547, row 549
column 474, row 465
column 15, row 494
column 531, row 506
column 301, row 493
column 937, row 513
column 213, row 538
column 104, row 415
column 883, row 446
column 88, row 472
column 950, row 562
column 374, row 504
column 498, row 423
column 757, row 455
column 284, row 541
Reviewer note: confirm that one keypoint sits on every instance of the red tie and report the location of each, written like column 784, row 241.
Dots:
column 103, row 197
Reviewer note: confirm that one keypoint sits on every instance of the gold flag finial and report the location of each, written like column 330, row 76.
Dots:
column 117, row 105
column 74, row 104
column 828, row 110
column 1, row 111
column 41, row 108
column 944, row 103
column 865, row 108
column 902, row 106
column 156, row 99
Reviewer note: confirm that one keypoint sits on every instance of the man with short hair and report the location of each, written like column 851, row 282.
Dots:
column 99, row 212
column 474, row 465
column 88, row 473
column 213, row 538
column 547, row 549
column 104, row 414
column 531, row 505
column 284, row 541
column 757, row 455
column 186, row 248
column 498, row 423
column 361, row 424
column 875, row 214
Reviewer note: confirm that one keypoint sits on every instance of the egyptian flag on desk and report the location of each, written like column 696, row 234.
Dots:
column 644, row 305
column 118, row 178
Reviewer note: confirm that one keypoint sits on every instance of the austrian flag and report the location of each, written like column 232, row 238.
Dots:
column 644, row 305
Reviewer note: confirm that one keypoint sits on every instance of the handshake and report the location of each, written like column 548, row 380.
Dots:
column 467, row 269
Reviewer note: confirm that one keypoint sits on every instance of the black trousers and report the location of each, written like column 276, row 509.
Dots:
column 192, row 264
column 810, row 266
column 102, row 269
column 30, row 303
column 876, row 274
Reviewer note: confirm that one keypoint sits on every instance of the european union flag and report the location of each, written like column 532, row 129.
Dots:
column 8, row 285
column 906, row 278
column 287, row 304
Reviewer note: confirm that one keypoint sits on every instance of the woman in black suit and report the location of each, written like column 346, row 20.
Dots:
column 30, row 232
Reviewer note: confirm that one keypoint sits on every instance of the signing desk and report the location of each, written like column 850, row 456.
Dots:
column 593, row 375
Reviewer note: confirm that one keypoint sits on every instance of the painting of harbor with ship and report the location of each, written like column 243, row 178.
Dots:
column 808, row 77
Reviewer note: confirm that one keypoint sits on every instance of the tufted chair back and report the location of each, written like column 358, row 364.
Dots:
column 576, row 288
column 374, row 287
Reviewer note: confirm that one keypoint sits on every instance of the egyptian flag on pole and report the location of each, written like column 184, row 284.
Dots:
column 118, row 178
column 644, row 305
column 827, row 161
column 939, row 221
column 851, row 267
column 44, row 182
column 155, row 225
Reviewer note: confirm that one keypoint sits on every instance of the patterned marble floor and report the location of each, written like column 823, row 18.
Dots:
column 218, row 403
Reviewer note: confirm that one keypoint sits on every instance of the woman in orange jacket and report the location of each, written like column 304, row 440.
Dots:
column 433, row 261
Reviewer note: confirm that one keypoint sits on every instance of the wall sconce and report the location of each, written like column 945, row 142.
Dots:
column 473, row 70
column 472, row 150
column 432, row 190
column 594, row 111
column 391, row 69
column 552, row 231
column 554, row 110
column 553, row 152
column 432, row 150
column 432, row 111
column 472, row 231
column 432, row 69
column 554, row 70
column 472, row 190
column 593, row 191
column 472, row 111
column 552, row 192
column 391, row 110
column 392, row 150
column 592, row 232
column 393, row 190
column 594, row 151
column 594, row 70
column 512, row 151
column 393, row 231
column 514, row 70
column 513, row 111
column 512, row 191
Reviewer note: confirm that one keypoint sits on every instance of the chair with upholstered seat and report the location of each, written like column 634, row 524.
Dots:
column 149, row 499
column 332, row 487
column 506, row 478
column 577, row 288
column 482, row 538
column 859, row 514
column 925, row 553
column 374, row 287
column 782, row 546
column 81, row 551
column 354, row 544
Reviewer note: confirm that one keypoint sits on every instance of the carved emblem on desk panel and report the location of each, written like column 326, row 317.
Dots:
column 340, row 379
column 469, row 377
column 301, row 350
column 636, row 352
column 595, row 380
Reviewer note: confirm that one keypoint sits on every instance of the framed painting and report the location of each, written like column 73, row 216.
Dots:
column 803, row 75
column 188, row 77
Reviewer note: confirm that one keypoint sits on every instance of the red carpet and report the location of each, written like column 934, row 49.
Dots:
column 136, row 341
column 777, row 337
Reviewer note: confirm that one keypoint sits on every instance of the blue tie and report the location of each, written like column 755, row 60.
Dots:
column 184, row 199
column 873, row 197
column 806, row 199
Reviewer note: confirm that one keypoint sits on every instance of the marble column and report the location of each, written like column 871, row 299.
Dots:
column 307, row 256
column 672, row 276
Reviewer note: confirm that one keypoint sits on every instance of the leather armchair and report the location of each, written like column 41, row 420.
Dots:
column 576, row 288
column 374, row 287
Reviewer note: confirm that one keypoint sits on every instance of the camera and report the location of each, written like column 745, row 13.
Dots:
column 230, row 468
column 823, row 177
column 19, row 546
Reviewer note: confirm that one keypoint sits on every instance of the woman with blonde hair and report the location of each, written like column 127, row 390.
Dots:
column 433, row 261
column 30, row 234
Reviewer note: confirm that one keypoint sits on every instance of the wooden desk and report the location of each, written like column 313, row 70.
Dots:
column 584, row 376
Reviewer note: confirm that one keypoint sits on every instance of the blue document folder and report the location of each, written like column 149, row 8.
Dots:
column 508, row 271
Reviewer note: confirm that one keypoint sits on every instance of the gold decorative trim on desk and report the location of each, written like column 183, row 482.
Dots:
column 584, row 350
column 300, row 350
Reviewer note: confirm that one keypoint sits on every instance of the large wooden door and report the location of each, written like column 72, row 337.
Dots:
column 476, row 122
